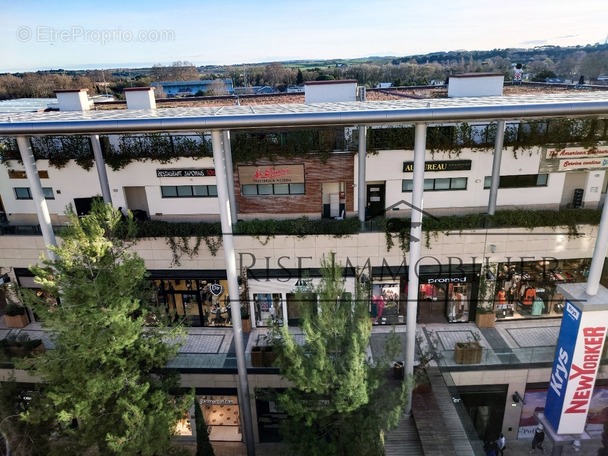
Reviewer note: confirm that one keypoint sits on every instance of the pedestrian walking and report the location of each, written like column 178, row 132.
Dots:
column 502, row 445
column 538, row 439
column 490, row 448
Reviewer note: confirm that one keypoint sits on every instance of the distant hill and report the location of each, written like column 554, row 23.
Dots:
column 520, row 55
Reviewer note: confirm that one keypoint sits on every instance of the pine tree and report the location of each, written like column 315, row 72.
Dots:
column 105, row 380
column 24, row 439
column 340, row 402
column 203, row 444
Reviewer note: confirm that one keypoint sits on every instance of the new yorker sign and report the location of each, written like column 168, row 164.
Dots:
column 195, row 172
column 577, row 359
column 440, row 165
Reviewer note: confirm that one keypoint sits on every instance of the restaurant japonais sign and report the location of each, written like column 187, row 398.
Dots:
column 198, row 172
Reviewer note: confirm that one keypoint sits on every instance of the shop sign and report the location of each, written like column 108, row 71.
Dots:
column 577, row 359
column 582, row 163
column 576, row 152
column 440, row 165
column 216, row 289
column 199, row 172
column 444, row 280
column 216, row 400
column 279, row 174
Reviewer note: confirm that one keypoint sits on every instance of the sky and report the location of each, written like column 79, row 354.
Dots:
column 79, row 34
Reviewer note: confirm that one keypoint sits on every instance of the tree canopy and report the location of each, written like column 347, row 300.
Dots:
column 340, row 402
column 105, row 380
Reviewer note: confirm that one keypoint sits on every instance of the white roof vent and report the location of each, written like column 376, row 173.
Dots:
column 475, row 85
column 330, row 91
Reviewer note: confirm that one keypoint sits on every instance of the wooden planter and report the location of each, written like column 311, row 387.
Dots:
column 468, row 353
column 16, row 321
column 246, row 322
column 22, row 352
column 485, row 320
column 422, row 383
column 268, row 356
column 262, row 356
column 257, row 359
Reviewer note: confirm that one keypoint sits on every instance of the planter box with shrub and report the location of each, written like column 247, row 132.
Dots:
column 16, row 316
column 21, row 346
column 468, row 353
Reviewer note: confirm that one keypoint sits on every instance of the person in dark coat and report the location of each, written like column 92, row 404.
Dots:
column 491, row 448
column 538, row 439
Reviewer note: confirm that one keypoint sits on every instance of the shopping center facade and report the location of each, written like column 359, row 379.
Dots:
column 362, row 164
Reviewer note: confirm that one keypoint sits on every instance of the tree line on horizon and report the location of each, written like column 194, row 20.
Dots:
column 567, row 63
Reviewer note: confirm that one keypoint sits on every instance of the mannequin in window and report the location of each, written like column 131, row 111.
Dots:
column 529, row 296
column 501, row 298
column 454, row 300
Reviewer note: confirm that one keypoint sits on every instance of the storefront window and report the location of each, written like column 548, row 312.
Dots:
column 297, row 304
column 444, row 298
column 221, row 414
column 183, row 427
column 268, row 308
column 529, row 289
column 270, row 417
column 194, row 301
column 385, row 306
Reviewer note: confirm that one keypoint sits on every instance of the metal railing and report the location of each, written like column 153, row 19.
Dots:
column 508, row 358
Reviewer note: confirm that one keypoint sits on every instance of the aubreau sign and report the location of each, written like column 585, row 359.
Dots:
column 200, row 172
column 279, row 174
column 577, row 359
column 440, row 165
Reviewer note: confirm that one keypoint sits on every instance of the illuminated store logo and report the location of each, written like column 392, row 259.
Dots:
column 447, row 280
column 216, row 400
column 216, row 289
column 572, row 311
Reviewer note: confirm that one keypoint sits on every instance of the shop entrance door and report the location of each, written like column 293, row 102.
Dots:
column 375, row 201
column 486, row 408
column 432, row 303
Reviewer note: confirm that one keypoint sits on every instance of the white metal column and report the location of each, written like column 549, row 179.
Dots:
column 233, row 290
column 361, row 174
column 42, row 210
column 498, row 145
column 415, row 254
column 101, row 169
column 229, row 174
column 599, row 255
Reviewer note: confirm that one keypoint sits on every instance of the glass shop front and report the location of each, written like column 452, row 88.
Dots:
column 527, row 289
column 199, row 302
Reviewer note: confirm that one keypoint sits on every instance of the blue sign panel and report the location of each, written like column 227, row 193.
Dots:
column 564, row 354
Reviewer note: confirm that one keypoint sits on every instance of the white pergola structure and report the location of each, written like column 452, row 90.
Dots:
column 219, row 121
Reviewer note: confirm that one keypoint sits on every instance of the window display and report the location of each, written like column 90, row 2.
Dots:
column 442, row 299
column 384, row 306
column 268, row 308
column 531, row 286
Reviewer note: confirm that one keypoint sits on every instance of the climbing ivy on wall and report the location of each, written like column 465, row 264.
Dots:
column 252, row 146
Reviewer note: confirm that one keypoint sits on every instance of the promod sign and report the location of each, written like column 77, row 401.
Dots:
column 577, row 359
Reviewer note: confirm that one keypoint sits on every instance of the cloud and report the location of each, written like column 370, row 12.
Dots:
column 533, row 42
